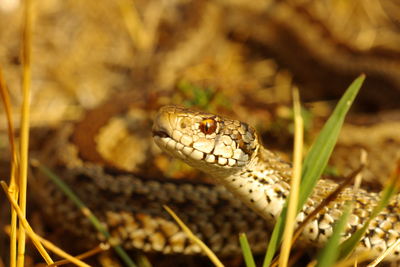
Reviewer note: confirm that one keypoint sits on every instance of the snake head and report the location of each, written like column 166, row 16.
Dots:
column 211, row 143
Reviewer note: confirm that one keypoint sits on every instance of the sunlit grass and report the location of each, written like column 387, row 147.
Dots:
column 295, row 181
column 24, row 127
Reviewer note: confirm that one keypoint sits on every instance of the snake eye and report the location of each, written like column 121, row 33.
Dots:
column 208, row 126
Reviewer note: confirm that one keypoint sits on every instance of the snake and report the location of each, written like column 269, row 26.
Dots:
column 230, row 151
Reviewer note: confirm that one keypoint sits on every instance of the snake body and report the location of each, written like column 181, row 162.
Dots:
column 229, row 150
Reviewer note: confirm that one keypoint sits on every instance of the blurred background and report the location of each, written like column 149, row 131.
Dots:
column 237, row 57
column 84, row 52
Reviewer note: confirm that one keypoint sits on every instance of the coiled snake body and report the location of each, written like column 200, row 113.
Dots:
column 230, row 151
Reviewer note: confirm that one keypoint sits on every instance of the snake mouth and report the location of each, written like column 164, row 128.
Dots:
column 161, row 134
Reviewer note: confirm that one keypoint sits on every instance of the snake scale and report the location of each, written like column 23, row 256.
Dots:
column 229, row 150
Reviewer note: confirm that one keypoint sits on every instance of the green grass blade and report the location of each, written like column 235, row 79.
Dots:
column 316, row 160
column 275, row 238
column 247, row 255
column 93, row 219
column 142, row 261
column 330, row 253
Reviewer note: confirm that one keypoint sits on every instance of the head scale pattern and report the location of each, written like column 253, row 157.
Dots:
column 215, row 144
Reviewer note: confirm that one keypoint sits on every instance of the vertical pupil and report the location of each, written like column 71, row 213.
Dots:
column 208, row 126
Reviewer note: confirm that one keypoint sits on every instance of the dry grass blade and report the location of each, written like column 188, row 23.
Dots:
column 69, row 258
column 40, row 242
column 24, row 130
column 384, row 254
column 10, row 122
column 354, row 260
column 94, row 251
column 294, row 183
column 13, row 189
column 26, row 225
column 195, row 239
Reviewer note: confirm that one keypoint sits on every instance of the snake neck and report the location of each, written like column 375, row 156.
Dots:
column 263, row 184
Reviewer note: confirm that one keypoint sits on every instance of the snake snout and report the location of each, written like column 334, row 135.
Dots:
column 161, row 125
